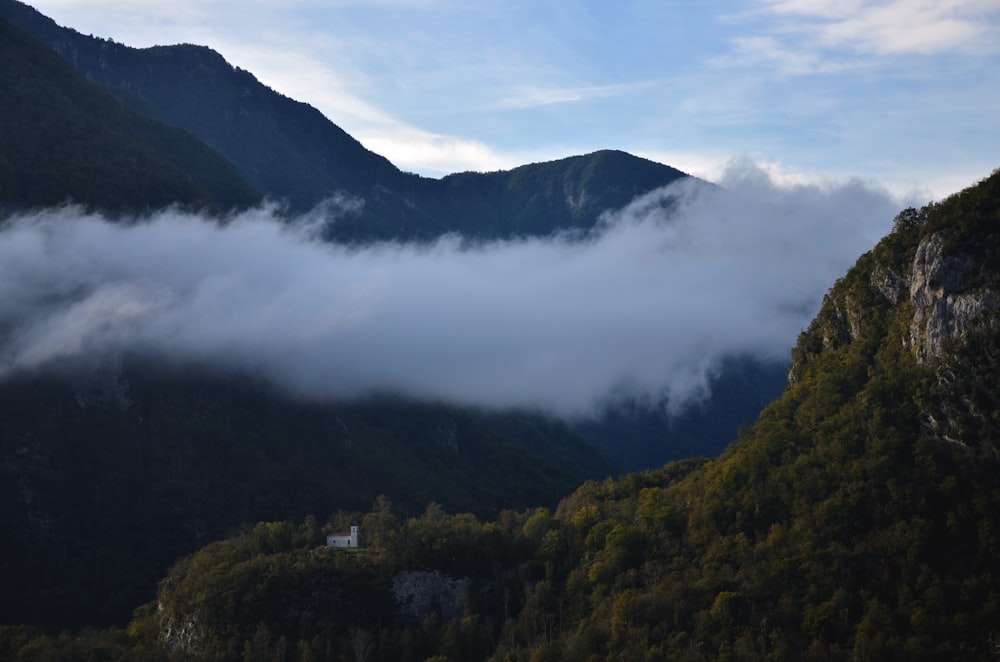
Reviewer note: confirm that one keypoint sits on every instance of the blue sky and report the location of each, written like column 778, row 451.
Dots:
column 904, row 94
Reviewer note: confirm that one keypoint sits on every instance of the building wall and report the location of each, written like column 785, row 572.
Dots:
column 345, row 540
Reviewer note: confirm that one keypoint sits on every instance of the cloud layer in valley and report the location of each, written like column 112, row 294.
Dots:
column 645, row 307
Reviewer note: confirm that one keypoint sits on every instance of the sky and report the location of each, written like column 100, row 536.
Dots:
column 903, row 94
column 644, row 310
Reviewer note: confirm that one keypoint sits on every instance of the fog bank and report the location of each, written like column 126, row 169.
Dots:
column 645, row 307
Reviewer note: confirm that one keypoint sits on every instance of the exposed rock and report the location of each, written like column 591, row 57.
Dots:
column 418, row 593
column 446, row 433
column 888, row 283
column 180, row 637
column 942, row 309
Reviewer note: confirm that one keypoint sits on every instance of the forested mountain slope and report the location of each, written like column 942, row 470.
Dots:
column 107, row 478
column 285, row 148
column 856, row 520
column 291, row 152
column 65, row 139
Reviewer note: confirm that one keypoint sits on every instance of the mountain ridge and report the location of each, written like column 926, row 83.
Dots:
column 290, row 151
column 195, row 88
column 65, row 139
column 66, row 508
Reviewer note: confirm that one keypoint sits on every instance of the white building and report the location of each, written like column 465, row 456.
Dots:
column 352, row 539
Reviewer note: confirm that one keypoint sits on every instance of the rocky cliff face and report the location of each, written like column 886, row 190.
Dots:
column 944, row 310
column 931, row 288
column 951, row 332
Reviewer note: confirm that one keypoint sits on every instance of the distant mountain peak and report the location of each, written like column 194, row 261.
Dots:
column 295, row 155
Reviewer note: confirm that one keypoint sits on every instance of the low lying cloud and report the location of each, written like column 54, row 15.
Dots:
column 645, row 307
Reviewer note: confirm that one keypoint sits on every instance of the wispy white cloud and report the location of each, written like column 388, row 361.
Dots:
column 432, row 154
column 809, row 37
column 337, row 93
column 922, row 27
column 770, row 53
column 531, row 96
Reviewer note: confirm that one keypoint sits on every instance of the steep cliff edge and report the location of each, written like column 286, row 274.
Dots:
column 931, row 287
column 945, row 310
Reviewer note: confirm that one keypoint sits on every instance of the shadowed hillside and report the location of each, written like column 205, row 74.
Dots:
column 108, row 477
column 291, row 152
column 65, row 139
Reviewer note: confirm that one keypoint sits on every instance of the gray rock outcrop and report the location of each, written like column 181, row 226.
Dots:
column 419, row 592
column 943, row 308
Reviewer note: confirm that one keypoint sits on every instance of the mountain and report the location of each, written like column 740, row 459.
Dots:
column 855, row 520
column 291, row 152
column 65, row 139
column 284, row 148
column 106, row 478
column 541, row 198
